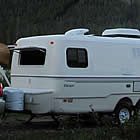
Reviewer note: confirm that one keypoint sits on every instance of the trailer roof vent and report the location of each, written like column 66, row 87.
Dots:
column 74, row 32
column 122, row 32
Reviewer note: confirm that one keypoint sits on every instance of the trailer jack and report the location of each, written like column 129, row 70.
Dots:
column 93, row 114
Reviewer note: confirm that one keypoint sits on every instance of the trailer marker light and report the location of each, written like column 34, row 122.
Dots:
column 51, row 42
column 65, row 100
column 69, row 100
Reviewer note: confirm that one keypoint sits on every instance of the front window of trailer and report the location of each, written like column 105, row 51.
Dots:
column 32, row 57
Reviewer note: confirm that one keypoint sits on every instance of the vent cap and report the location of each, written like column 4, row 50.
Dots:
column 73, row 32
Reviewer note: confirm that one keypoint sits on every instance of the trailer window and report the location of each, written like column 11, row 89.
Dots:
column 32, row 57
column 77, row 57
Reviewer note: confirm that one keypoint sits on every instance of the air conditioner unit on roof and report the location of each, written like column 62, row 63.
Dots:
column 121, row 32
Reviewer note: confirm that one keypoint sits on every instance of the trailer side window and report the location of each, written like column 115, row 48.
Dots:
column 32, row 57
column 77, row 57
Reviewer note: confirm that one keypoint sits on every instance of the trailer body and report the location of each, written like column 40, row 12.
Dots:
column 76, row 73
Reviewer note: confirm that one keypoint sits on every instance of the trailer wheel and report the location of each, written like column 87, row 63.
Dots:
column 123, row 112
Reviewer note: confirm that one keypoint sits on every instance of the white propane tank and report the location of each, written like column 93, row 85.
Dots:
column 14, row 99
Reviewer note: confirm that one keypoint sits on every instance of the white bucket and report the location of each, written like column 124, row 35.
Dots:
column 14, row 99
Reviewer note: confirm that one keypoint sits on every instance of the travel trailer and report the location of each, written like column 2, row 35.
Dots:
column 76, row 73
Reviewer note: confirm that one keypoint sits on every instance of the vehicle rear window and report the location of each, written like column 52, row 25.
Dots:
column 77, row 57
column 32, row 57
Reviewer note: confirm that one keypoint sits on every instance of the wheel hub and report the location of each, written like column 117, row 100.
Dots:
column 124, row 115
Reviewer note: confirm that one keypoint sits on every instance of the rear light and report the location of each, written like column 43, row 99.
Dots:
column 1, row 90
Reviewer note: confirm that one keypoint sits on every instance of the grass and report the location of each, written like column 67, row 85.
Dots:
column 128, row 131
column 71, row 131
column 69, row 134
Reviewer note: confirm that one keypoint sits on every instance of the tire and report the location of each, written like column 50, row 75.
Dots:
column 137, row 111
column 123, row 112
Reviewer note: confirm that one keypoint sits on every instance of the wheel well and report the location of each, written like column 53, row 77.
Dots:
column 138, row 103
column 126, row 100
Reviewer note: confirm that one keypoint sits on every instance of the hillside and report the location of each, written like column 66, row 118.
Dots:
column 21, row 18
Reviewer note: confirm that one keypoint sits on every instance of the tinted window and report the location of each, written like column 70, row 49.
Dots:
column 77, row 57
column 32, row 57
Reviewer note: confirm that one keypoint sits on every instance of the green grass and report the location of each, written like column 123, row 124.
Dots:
column 71, row 131
column 69, row 134
column 129, row 131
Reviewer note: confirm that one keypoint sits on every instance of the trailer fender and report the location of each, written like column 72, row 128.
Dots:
column 124, row 100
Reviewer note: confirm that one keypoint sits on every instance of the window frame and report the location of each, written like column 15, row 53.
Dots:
column 31, row 49
column 77, row 63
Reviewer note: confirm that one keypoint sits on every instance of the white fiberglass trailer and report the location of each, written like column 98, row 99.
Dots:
column 76, row 73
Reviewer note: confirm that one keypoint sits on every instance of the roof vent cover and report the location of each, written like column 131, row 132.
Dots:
column 72, row 32
column 122, row 32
